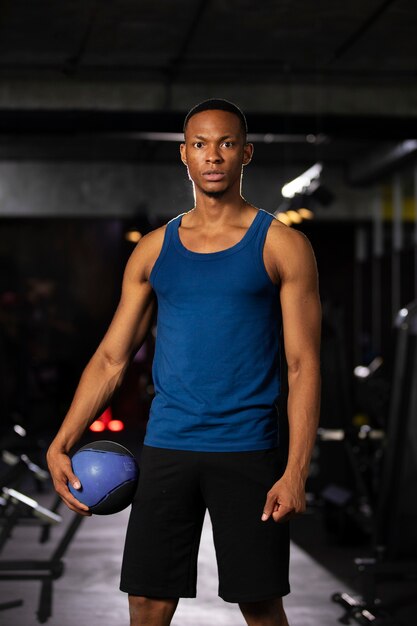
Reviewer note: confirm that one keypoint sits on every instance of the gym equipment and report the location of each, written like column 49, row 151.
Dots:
column 45, row 570
column 20, row 468
column 395, row 509
column 349, row 511
column 17, row 508
column 393, row 541
column 108, row 473
column 14, row 516
column 357, row 610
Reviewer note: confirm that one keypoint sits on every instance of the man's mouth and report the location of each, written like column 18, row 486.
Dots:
column 213, row 175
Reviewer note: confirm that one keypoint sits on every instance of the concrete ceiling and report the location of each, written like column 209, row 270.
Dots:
column 194, row 40
column 87, row 79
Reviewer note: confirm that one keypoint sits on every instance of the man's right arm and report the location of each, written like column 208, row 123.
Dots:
column 105, row 370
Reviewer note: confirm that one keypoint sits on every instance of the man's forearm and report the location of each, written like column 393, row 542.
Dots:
column 303, row 419
column 97, row 385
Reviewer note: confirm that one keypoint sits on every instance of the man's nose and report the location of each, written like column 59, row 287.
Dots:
column 214, row 155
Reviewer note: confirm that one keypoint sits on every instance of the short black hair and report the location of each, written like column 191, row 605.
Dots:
column 218, row 104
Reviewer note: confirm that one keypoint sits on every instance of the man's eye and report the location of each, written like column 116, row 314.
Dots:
column 198, row 144
column 228, row 144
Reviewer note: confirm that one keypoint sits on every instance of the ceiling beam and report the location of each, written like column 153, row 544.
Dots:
column 359, row 32
column 377, row 165
column 36, row 122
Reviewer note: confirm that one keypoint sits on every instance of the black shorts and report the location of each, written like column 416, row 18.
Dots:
column 163, row 535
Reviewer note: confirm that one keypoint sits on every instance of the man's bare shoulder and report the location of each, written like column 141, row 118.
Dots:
column 287, row 248
column 153, row 239
column 146, row 252
column 282, row 239
column 280, row 232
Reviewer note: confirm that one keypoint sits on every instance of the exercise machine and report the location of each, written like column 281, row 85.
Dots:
column 18, row 508
column 393, row 540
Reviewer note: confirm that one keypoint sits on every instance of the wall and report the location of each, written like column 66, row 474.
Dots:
column 88, row 189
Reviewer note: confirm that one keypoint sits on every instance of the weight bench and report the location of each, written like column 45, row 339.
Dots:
column 14, row 503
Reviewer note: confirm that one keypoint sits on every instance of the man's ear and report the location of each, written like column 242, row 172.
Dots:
column 182, row 153
column 247, row 153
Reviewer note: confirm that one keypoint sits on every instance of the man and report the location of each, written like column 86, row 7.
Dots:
column 226, row 277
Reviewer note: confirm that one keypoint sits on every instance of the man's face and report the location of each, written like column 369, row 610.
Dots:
column 215, row 151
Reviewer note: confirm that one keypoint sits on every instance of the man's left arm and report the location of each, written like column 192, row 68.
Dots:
column 301, row 315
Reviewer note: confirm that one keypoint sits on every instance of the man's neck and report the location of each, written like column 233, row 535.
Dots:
column 212, row 210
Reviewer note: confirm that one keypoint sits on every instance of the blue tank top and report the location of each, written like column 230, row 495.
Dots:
column 216, row 363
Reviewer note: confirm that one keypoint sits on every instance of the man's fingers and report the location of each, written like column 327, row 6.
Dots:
column 67, row 497
column 60, row 468
column 69, row 476
column 74, row 504
column 283, row 513
column 271, row 505
column 77, row 507
column 74, row 481
column 283, row 502
column 279, row 512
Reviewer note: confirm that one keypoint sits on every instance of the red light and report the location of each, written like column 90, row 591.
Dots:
column 97, row 426
column 115, row 425
column 106, row 416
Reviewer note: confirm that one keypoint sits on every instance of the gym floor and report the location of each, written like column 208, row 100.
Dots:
column 87, row 591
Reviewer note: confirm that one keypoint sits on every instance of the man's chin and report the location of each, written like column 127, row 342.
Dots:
column 214, row 194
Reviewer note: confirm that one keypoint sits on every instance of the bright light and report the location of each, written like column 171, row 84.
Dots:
column 19, row 430
column 283, row 217
column 97, row 426
column 106, row 416
column 361, row 371
column 133, row 235
column 306, row 214
column 294, row 216
column 115, row 425
column 301, row 182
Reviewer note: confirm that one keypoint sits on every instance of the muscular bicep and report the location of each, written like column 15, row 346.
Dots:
column 300, row 304
column 130, row 322
column 134, row 314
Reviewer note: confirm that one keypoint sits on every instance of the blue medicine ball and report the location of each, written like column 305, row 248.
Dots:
column 108, row 473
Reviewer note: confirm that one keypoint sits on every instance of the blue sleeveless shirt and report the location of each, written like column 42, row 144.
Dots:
column 216, row 363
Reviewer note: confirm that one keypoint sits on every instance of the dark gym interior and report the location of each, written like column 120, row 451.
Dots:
column 92, row 101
